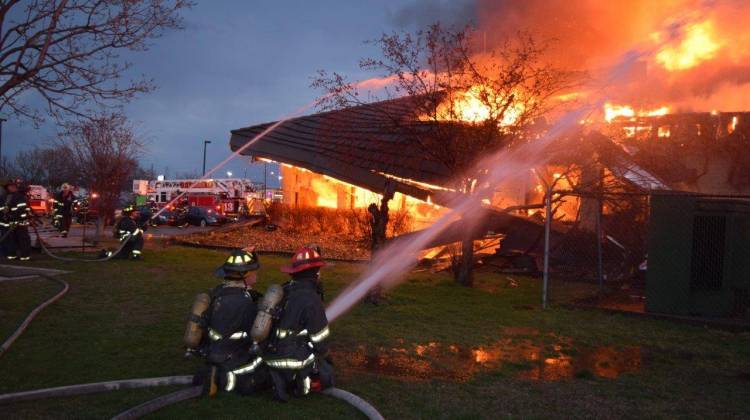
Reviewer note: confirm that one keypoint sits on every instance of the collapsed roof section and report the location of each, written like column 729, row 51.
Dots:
column 353, row 145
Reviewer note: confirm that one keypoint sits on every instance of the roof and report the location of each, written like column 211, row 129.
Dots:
column 354, row 145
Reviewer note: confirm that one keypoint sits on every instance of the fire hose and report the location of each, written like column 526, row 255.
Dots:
column 68, row 259
column 150, row 406
column 25, row 324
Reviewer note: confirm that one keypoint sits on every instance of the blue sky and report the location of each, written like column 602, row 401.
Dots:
column 240, row 63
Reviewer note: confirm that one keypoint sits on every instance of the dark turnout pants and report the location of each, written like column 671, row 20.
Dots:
column 17, row 243
column 133, row 247
column 65, row 222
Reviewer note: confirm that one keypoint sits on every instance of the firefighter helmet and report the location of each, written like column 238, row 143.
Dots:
column 239, row 261
column 18, row 182
column 304, row 259
column 128, row 210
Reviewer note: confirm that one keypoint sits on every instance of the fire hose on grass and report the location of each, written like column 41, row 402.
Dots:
column 160, row 402
column 25, row 324
column 68, row 259
column 150, row 406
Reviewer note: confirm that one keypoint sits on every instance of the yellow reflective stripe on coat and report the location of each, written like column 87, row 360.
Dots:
column 321, row 335
column 248, row 368
column 282, row 334
column 290, row 363
column 230, row 381
column 213, row 335
column 306, row 385
column 232, row 375
column 238, row 335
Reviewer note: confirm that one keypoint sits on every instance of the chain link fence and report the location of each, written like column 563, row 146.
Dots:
column 673, row 253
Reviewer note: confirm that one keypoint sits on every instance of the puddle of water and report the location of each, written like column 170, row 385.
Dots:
column 546, row 362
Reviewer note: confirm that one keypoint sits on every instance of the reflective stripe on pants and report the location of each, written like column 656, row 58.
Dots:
column 290, row 363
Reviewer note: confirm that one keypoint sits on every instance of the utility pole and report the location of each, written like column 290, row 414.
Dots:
column 2, row 163
column 205, row 142
column 599, row 233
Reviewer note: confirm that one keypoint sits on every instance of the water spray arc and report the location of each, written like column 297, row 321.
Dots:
column 272, row 127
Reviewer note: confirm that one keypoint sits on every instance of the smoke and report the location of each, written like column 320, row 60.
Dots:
column 703, row 47
column 422, row 13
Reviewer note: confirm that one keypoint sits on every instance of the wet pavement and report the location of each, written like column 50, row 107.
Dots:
column 537, row 357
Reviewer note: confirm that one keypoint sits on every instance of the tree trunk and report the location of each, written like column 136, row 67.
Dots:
column 379, row 224
column 100, row 224
column 466, row 270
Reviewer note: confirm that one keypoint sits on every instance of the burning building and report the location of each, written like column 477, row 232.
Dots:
column 348, row 158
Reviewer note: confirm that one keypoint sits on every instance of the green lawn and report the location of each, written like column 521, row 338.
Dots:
column 434, row 349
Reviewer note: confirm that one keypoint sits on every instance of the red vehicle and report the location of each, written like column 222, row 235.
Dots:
column 39, row 200
column 225, row 196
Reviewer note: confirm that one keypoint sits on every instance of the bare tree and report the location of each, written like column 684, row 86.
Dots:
column 48, row 166
column 106, row 148
column 463, row 104
column 68, row 51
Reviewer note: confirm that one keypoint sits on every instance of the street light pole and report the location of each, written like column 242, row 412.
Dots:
column 265, row 180
column 205, row 142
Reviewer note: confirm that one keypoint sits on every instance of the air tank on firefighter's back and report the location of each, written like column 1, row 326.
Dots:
column 193, row 331
column 264, row 319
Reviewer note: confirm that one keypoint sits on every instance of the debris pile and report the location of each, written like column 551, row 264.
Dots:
column 282, row 240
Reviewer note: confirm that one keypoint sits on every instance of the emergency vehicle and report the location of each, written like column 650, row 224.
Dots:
column 39, row 200
column 227, row 196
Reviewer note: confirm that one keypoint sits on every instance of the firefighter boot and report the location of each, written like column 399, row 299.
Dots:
column 209, row 379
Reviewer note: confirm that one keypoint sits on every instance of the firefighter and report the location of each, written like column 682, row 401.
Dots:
column 127, row 229
column 181, row 212
column 63, row 209
column 298, row 355
column 225, row 325
column 16, row 218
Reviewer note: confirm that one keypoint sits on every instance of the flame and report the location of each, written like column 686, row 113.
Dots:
column 697, row 45
column 664, row 132
column 309, row 189
column 478, row 103
column 732, row 125
column 613, row 112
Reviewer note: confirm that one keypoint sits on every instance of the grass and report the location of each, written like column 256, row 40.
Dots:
column 125, row 320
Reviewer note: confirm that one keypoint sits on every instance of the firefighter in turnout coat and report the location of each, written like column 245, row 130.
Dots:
column 63, row 208
column 298, row 354
column 233, row 364
column 16, row 215
column 127, row 229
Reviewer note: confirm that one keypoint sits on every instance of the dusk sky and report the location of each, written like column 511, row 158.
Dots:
column 240, row 63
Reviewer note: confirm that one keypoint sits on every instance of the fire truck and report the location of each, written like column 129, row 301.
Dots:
column 229, row 196
column 39, row 200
